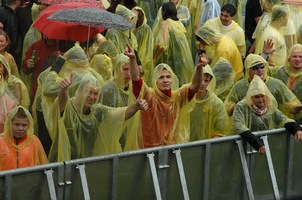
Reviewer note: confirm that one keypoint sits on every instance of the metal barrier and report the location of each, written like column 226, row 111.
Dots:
column 222, row 168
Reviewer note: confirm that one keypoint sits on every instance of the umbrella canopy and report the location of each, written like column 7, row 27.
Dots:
column 51, row 2
column 92, row 17
column 63, row 31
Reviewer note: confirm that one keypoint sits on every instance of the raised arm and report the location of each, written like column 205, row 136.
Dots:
column 197, row 76
column 63, row 93
column 134, row 69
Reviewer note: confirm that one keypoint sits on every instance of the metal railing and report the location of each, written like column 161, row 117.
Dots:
column 221, row 168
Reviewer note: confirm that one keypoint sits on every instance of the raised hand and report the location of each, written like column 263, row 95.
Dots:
column 66, row 82
column 268, row 47
column 129, row 52
column 141, row 104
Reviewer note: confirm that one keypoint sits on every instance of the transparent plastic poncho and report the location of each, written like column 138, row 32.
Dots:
column 245, row 118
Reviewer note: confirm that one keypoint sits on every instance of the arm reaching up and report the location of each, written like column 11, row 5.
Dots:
column 134, row 69
column 63, row 93
column 197, row 76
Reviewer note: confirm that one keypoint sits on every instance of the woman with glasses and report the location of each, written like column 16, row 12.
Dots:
column 254, row 64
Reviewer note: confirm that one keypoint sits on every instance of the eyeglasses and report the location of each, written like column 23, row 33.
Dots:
column 255, row 68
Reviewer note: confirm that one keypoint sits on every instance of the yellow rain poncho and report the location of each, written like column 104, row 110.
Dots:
column 115, row 92
column 275, row 26
column 122, row 37
column 31, row 36
column 160, row 124
column 24, row 152
column 76, row 62
column 183, row 15
column 225, row 76
column 223, row 46
column 78, row 135
column 177, row 53
column 234, row 31
column 284, row 97
column 145, row 41
column 292, row 80
column 149, row 9
column 245, row 118
column 209, row 117
column 102, row 64
column 13, row 86
column 108, row 48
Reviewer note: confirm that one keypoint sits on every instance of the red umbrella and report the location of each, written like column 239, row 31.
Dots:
column 63, row 31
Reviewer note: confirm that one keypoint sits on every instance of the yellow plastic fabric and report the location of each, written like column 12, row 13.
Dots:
column 145, row 41
column 29, row 152
column 177, row 53
column 223, row 46
column 225, row 76
column 113, row 93
column 209, row 117
column 77, row 135
column 108, row 48
column 284, row 97
column 161, row 123
column 102, row 64
column 14, row 86
column 235, row 32
column 246, row 119
column 12, row 64
column 122, row 37
column 76, row 62
column 285, row 75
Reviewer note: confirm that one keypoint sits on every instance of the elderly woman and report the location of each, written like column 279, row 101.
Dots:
column 259, row 111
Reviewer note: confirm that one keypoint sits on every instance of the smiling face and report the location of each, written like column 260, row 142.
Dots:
column 295, row 61
column 226, row 18
column 164, row 81
column 259, row 101
column 19, row 127
column 91, row 99
column 3, row 44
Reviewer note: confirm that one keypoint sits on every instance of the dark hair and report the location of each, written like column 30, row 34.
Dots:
column 229, row 8
column 129, row 4
column 113, row 5
column 21, row 113
column 169, row 11
column 140, row 18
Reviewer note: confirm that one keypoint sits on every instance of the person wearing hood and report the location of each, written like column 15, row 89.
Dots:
column 214, row 45
column 160, row 124
column 145, row 41
column 122, row 37
column 18, row 145
column 13, row 86
column 255, row 65
column 209, row 118
column 259, row 111
column 171, row 45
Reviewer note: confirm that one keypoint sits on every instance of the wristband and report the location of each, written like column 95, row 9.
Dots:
column 201, row 51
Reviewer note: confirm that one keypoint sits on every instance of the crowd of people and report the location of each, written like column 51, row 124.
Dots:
column 186, row 71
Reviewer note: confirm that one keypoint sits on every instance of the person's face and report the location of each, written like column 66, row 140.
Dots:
column 226, row 18
column 284, row 20
column 91, row 98
column 259, row 100
column 126, row 73
column 3, row 43
column 295, row 61
column 257, row 70
column 206, row 79
column 19, row 127
column 165, row 80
